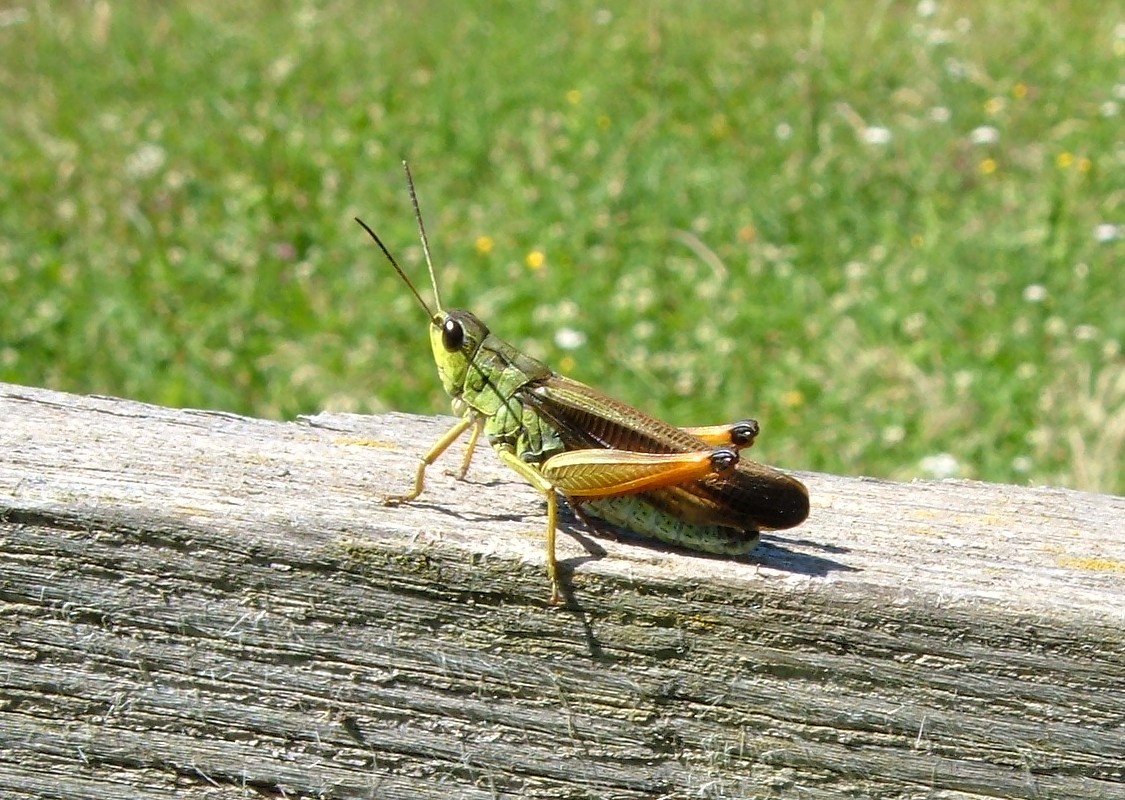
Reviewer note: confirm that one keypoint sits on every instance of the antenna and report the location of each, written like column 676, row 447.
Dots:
column 394, row 264
column 422, row 231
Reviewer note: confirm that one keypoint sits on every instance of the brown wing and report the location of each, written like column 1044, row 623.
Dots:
column 753, row 496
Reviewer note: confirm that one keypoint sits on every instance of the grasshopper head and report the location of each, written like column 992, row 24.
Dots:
column 455, row 337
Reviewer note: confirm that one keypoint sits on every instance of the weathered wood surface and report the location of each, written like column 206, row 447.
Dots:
column 201, row 605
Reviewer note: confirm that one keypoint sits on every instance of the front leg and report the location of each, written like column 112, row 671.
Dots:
column 474, row 435
column 432, row 455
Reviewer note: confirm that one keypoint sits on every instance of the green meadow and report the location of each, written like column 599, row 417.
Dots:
column 893, row 232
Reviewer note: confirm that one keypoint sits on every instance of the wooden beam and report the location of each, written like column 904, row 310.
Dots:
column 197, row 604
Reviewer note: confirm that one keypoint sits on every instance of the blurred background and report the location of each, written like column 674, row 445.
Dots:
column 894, row 232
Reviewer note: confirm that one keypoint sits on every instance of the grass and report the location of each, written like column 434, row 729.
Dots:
column 895, row 236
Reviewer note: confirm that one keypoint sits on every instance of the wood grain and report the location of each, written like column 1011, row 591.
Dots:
column 201, row 605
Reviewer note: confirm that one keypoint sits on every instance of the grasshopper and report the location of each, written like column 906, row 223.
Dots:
column 687, row 487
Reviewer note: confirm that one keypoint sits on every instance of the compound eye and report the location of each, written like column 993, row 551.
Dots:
column 452, row 335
